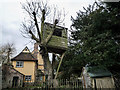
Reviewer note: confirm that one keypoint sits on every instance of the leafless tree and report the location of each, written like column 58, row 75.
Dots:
column 37, row 14
column 7, row 50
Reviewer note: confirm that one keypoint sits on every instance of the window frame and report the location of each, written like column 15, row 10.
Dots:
column 19, row 64
column 29, row 77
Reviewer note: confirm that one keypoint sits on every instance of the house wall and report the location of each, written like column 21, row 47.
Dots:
column 41, row 65
column 27, row 69
column 40, row 61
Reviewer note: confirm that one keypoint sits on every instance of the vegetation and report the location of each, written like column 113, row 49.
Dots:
column 94, row 39
column 6, row 52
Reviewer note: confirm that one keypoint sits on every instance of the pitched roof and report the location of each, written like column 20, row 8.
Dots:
column 24, row 55
column 4, row 66
column 95, row 71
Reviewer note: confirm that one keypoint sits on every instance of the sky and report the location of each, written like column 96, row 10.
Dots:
column 11, row 17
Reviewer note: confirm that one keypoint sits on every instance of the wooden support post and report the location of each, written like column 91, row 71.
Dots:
column 59, row 65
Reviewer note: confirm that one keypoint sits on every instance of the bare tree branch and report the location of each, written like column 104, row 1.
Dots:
column 33, row 36
column 37, row 26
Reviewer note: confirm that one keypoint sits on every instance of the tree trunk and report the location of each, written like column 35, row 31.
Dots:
column 47, row 66
column 49, row 69
column 53, row 65
column 54, row 80
column 8, row 57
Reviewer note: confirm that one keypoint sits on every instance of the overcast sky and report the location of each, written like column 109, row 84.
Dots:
column 11, row 16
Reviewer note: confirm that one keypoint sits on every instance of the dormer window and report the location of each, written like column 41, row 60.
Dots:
column 26, row 50
column 57, row 32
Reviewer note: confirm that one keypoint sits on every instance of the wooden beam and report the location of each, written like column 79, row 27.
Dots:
column 59, row 65
column 56, row 55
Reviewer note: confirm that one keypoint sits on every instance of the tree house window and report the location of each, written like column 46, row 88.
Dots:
column 57, row 32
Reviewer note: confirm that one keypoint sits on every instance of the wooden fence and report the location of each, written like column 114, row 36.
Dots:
column 62, row 83
column 70, row 83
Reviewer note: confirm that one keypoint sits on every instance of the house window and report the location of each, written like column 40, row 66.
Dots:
column 19, row 64
column 28, row 78
column 57, row 32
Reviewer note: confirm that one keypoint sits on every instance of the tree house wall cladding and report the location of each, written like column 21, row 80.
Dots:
column 58, row 41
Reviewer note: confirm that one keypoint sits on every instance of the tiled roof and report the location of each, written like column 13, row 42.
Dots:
column 26, row 56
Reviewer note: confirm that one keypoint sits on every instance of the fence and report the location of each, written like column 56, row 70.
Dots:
column 61, row 83
column 65, row 83
column 69, row 83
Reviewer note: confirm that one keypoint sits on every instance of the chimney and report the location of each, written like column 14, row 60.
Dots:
column 36, row 47
column 35, row 51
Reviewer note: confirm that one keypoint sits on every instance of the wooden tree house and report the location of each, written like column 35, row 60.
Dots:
column 58, row 41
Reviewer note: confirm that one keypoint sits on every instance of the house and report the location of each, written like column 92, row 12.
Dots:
column 26, row 64
column 11, row 77
column 96, row 77
column 30, row 64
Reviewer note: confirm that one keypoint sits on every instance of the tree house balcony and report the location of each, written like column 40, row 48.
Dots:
column 58, row 41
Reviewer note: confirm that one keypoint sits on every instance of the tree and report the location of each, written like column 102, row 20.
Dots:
column 34, row 26
column 95, row 37
column 7, row 51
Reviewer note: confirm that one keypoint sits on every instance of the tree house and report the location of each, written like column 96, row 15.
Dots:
column 58, row 41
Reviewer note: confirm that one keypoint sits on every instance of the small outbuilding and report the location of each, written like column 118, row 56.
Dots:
column 11, row 77
column 96, row 77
